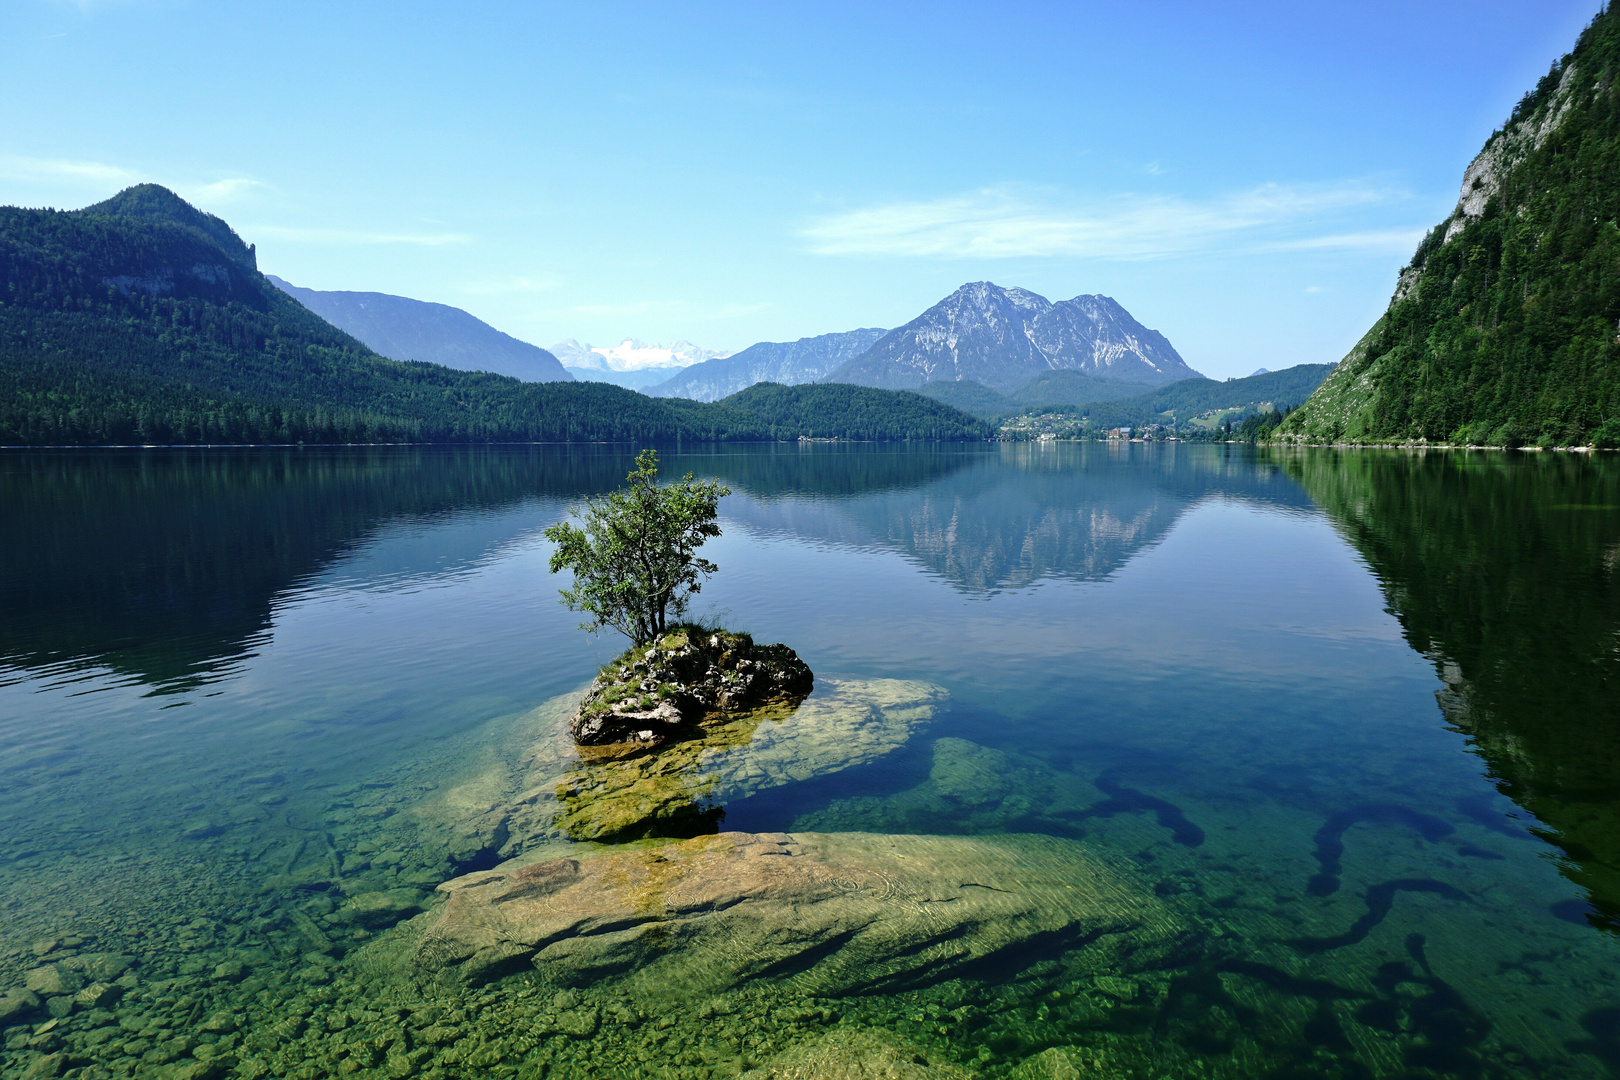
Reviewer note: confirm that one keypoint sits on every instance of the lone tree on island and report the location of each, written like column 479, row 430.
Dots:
column 635, row 562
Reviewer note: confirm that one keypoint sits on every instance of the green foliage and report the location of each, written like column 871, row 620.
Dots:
column 1257, row 427
column 142, row 320
column 155, row 203
column 1257, row 398
column 970, row 397
column 1066, row 387
column 1506, row 333
column 635, row 562
column 1048, row 390
column 845, row 411
column 1181, row 401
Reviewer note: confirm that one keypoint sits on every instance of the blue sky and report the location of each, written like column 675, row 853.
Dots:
column 1246, row 178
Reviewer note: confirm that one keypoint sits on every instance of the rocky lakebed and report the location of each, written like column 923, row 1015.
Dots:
column 616, row 929
column 556, row 894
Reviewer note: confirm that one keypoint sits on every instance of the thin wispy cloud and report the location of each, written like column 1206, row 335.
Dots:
column 517, row 286
column 737, row 311
column 683, row 308
column 1003, row 223
column 349, row 236
column 58, row 170
column 1376, row 241
column 224, row 191
column 89, row 6
column 636, row 307
column 106, row 177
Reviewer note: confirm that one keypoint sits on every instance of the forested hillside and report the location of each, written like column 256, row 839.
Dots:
column 1050, row 389
column 1182, row 401
column 1502, row 330
column 839, row 410
column 142, row 320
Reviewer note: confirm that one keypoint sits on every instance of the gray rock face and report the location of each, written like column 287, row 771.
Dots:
column 404, row 329
column 787, row 362
column 830, row 913
column 648, row 692
column 1005, row 337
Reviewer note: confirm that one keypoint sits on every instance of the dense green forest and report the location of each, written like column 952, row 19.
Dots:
column 1179, row 402
column 1050, row 389
column 969, row 396
column 1503, row 330
column 1125, row 404
column 1072, row 388
column 842, row 410
column 143, row 320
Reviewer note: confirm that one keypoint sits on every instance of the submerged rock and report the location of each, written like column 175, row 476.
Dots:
column 856, row 1054
column 653, row 689
column 830, row 913
column 15, row 1003
column 53, row 979
column 378, row 909
column 619, row 792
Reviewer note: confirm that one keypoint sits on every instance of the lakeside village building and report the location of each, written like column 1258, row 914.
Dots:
column 1150, row 433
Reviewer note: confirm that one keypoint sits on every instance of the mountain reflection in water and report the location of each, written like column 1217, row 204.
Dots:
column 164, row 566
column 1025, row 514
column 256, row 706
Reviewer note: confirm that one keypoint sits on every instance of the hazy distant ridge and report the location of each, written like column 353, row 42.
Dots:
column 404, row 329
column 787, row 362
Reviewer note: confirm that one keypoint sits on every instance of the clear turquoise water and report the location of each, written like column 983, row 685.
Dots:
column 1353, row 715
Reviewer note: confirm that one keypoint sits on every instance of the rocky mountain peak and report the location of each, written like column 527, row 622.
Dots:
column 1003, row 337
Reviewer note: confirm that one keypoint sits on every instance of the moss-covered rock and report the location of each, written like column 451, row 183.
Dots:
column 828, row 913
column 680, row 678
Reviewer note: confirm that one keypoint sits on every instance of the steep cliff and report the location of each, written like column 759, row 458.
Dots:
column 1502, row 330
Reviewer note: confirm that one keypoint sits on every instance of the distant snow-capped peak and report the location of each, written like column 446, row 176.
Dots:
column 633, row 355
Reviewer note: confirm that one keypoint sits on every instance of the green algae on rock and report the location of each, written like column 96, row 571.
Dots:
column 620, row 792
column 828, row 913
column 856, row 1054
column 652, row 690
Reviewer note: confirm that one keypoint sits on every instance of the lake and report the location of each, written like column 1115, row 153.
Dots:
column 1341, row 731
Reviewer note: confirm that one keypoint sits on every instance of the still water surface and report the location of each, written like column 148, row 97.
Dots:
column 1351, row 717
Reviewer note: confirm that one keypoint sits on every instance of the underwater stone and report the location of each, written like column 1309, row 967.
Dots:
column 1050, row 1064
column 45, row 1065
column 52, row 979
column 863, row 1054
column 17, row 1003
column 105, row 967
column 829, row 913
column 379, row 909
column 230, row 971
column 99, row 995
column 1114, row 1056
column 602, row 793
column 579, row 1023
column 200, row 1070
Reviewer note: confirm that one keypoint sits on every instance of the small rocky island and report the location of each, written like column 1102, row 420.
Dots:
column 680, row 679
